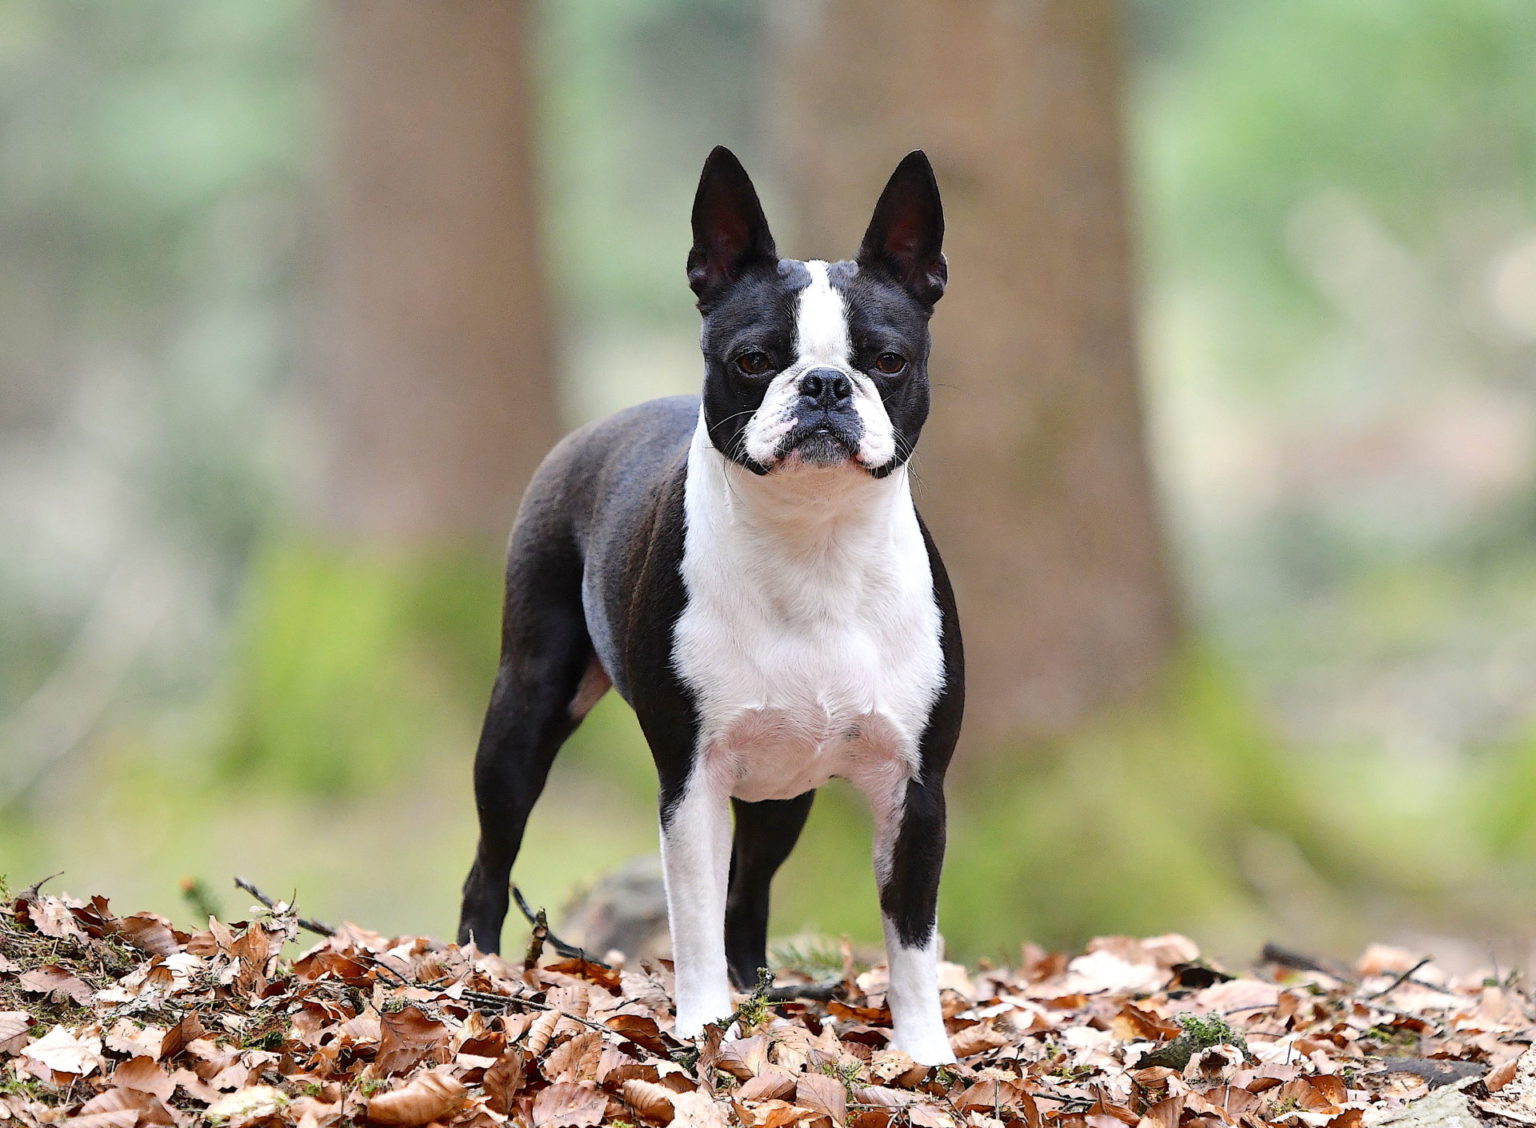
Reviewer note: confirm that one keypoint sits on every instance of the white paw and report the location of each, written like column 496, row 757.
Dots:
column 926, row 1047
column 691, row 1020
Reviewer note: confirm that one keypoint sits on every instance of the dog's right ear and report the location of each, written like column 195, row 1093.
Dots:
column 730, row 232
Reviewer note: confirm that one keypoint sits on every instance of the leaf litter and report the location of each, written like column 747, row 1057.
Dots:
column 113, row 1021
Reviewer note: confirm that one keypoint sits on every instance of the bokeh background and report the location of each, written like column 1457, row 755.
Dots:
column 1234, row 447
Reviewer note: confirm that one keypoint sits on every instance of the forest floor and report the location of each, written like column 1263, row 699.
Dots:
column 127, row 1022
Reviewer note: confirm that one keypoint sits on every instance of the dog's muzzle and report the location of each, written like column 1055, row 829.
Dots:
column 827, row 428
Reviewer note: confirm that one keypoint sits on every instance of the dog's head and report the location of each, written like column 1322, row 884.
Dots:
column 816, row 363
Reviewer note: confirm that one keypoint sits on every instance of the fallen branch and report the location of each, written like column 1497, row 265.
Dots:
column 539, row 921
column 1401, row 979
column 1285, row 957
column 318, row 927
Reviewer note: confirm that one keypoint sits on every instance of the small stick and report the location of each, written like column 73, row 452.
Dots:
column 1273, row 953
column 538, row 920
column 511, row 1002
column 815, row 992
column 315, row 926
column 1400, row 980
column 536, row 941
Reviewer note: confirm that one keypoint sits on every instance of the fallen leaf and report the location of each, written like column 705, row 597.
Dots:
column 503, row 1080
column 253, row 1103
column 56, row 983
column 420, row 1101
column 406, row 1037
column 649, row 1100
column 568, row 1105
column 14, row 1029
column 62, row 1051
column 146, row 1108
column 823, row 1094
column 143, row 1074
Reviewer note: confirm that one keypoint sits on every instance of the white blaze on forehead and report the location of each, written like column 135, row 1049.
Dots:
column 821, row 322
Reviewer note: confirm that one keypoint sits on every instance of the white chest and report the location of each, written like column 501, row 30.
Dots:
column 810, row 637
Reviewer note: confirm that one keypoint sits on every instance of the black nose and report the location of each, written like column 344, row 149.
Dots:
column 826, row 387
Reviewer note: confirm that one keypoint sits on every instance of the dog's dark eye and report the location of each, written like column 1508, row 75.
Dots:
column 890, row 363
column 754, row 363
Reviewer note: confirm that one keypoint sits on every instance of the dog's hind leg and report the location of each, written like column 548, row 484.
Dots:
column 546, row 682
column 765, row 833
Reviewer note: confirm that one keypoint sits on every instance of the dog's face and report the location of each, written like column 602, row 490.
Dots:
column 814, row 363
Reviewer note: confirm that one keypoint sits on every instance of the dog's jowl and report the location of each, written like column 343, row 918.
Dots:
column 747, row 569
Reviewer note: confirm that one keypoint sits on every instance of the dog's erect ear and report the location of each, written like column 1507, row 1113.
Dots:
column 906, row 235
column 730, row 232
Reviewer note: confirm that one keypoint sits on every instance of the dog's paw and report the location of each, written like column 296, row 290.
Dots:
column 926, row 1047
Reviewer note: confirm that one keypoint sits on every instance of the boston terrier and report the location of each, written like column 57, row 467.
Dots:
column 748, row 570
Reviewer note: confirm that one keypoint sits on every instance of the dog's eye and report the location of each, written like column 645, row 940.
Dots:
column 890, row 363
column 754, row 363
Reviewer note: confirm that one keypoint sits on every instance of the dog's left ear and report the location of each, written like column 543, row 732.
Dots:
column 906, row 235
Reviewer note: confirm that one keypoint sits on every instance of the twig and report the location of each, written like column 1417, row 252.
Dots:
column 538, row 920
column 509, row 1002
column 30, row 892
column 536, row 941
column 1274, row 953
column 815, row 992
column 318, row 927
column 1401, row 979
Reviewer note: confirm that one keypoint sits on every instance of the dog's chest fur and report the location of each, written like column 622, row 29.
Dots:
column 810, row 638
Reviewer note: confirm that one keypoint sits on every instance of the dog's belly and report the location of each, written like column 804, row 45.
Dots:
column 776, row 753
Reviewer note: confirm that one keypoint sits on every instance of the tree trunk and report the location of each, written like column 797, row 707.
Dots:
column 437, row 356
column 1033, row 469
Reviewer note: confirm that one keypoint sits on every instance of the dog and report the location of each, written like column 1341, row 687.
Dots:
column 748, row 570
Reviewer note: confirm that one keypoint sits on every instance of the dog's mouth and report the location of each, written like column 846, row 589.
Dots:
column 820, row 441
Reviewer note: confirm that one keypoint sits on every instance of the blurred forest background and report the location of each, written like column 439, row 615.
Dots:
column 1234, row 447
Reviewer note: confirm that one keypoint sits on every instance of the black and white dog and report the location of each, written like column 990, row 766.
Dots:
column 751, row 575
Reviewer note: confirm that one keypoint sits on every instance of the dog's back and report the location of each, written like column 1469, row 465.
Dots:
column 589, row 509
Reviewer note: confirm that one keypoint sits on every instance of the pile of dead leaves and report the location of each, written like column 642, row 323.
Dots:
column 124, row 1021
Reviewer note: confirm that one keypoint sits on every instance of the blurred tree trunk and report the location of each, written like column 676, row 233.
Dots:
column 1033, row 469
column 438, row 369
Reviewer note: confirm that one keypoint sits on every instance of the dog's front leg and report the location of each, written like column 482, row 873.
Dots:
column 909, row 853
column 695, row 858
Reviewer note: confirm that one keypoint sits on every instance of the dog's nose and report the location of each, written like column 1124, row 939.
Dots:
column 826, row 387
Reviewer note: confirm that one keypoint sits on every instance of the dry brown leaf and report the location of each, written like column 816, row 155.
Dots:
column 540, row 1033
column 823, row 1094
column 1164, row 1114
column 649, row 1100
column 406, row 1037
column 141, row 1073
column 149, row 933
column 929, row 1116
column 56, row 983
column 975, row 1039
column 52, row 918
column 503, row 1080
column 770, row 1113
column 770, row 1084
column 14, row 1030
column 568, row 1105
column 698, row 1110
column 575, row 1059
column 117, row 1118
column 178, row 1037
column 419, row 1101
column 147, row 1109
